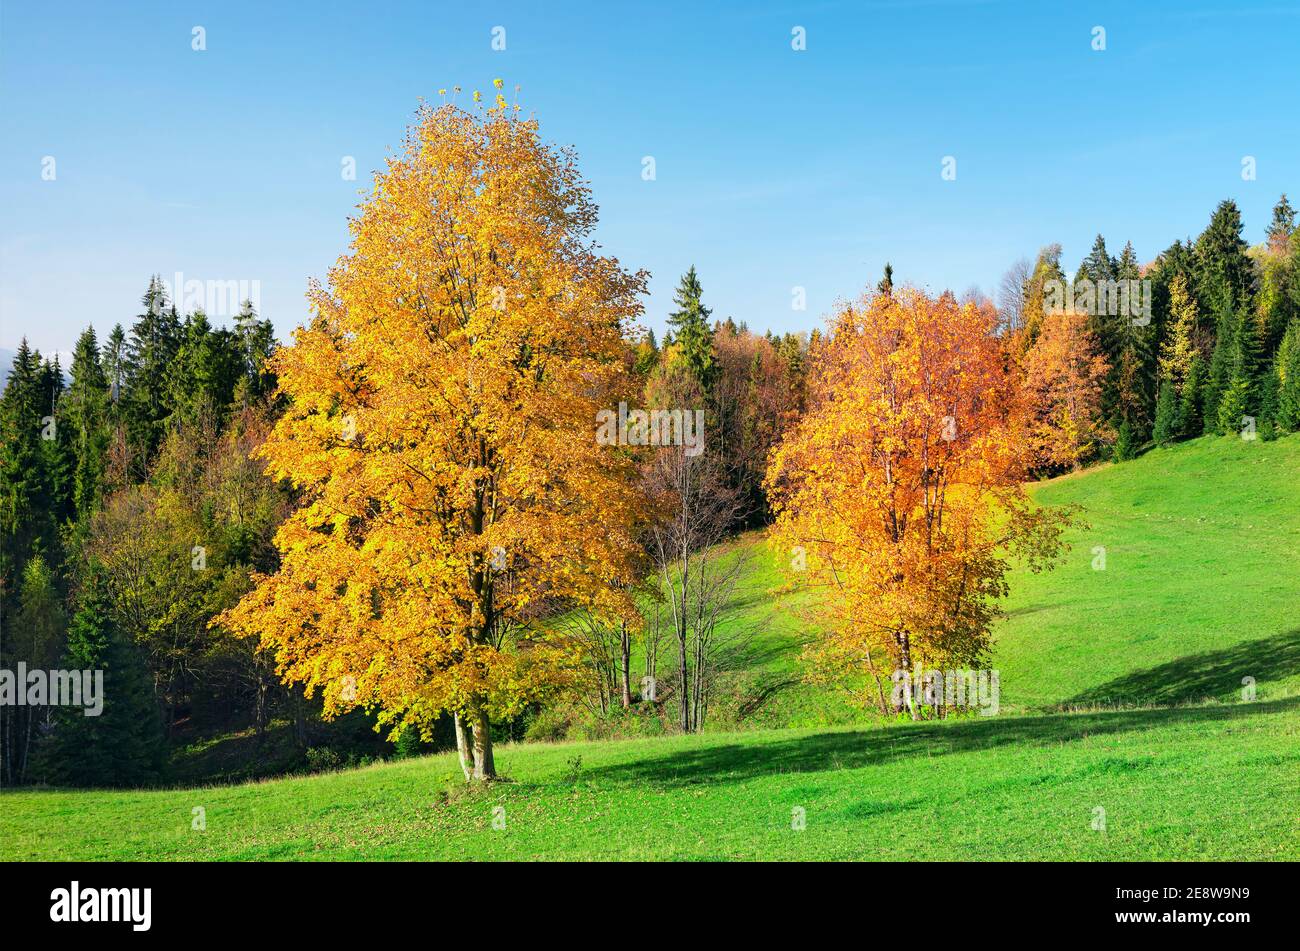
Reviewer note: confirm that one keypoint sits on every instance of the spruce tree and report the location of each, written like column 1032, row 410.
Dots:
column 1099, row 268
column 87, row 403
column 694, row 337
column 1099, row 265
column 1224, row 288
column 1282, row 225
column 1135, row 381
column 123, row 745
column 151, row 353
column 114, row 361
column 1286, row 369
column 1167, row 425
column 1266, row 399
column 1224, row 272
column 1191, row 405
column 1233, row 406
column 255, row 344
column 1244, row 368
column 197, row 378
column 886, row 285
column 25, row 491
column 1219, row 372
column 647, row 354
column 57, row 443
column 1125, row 447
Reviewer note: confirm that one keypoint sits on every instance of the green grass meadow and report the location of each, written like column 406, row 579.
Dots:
column 1124, row 733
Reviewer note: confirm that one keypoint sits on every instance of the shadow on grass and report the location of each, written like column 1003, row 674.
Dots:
column 734, row 762
column 1212, row 674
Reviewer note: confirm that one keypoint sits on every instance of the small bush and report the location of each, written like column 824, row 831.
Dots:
column 549, row 726
column 321, row 759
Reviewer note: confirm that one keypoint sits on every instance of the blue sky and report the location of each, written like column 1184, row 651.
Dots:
column 775, row 168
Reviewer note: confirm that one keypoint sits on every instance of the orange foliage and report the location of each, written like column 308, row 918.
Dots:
column 1063, row 376
column 898, row 493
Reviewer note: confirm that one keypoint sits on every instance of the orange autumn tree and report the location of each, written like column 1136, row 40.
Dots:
column 898, row 494
column 1063, row 374
column 440, row 430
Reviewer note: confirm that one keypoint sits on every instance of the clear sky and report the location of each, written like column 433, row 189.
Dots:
column 775, row 168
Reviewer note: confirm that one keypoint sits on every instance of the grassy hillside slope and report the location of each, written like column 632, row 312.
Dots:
column 1200, row 589
column 1201, row 585
column 1189, row 783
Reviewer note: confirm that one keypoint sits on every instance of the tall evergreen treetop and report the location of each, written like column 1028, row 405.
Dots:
column 25, row 500
column 886, row 285
column 1224, row 273
column 1099, row 265
column 114, row 360
column 86, row 415
column 151, row 353
column 694, row 337
column 1282, row 225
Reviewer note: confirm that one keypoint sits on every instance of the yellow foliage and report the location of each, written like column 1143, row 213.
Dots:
column 440, row 432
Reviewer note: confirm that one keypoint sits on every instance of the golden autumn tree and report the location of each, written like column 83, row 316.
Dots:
column 441, row 433
column 898, row 493
column 1063, row 375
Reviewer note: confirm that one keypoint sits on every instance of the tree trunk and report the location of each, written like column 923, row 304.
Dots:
column 625, row 645
column 27, row 746
column 684, row 685
column 880, row 688
column 905, row 658
column 484, row 767
column 462, row 747
column 299, row 719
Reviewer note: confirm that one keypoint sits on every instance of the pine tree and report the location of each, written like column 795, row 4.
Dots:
column 123, row 745
column 1125, row 447
column 114, row 361
column 1224, row 273
column 886, row 285
column 1224, row 288
column 1282, row 225
column 1267, row 401
column 57, row 444
column 1168, row 425
column 255, row 343
column 1135, row 380
column 1191, row 404
column 1245, row 366
column 693, row 336
column 1277, row 299
column 25, row 523
column 1287, row 371
column 86, row 412
column 1099, row 265
column 1109, row 330
column 1233, row 404
column 151, row 353
column 196, row 378
column 1219, row 374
